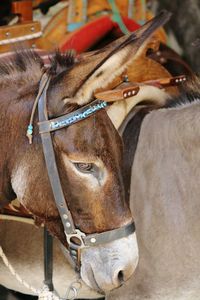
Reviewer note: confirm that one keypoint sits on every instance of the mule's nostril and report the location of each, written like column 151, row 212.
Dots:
column 121, row 277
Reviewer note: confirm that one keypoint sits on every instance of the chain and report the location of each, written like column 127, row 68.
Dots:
column 44, row 293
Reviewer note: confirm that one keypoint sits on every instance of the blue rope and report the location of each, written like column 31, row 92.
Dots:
column 116, row 17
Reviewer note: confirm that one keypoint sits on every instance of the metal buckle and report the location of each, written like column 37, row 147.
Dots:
column 78, row 235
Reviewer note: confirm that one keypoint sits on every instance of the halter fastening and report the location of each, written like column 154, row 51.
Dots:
column 45, row 128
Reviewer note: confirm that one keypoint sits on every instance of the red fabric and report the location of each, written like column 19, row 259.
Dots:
column 88, row 35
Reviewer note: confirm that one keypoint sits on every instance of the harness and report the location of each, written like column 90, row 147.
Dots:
column 76, row 239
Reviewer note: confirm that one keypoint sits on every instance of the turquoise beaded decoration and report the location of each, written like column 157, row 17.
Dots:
column 29, row 133
column 78, row 117
column 30, row 129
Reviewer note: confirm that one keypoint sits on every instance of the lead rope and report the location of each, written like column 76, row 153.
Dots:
column 44, row 293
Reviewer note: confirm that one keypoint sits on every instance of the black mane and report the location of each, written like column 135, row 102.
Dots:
column 183, row 99
column 61, row 62
column 26, row 59
column 189, row 94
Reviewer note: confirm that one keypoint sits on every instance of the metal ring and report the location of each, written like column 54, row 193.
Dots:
column 77, row 234
column 74, row 289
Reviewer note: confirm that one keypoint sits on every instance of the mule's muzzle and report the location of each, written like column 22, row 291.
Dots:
column 107, row 267
column 79, row 240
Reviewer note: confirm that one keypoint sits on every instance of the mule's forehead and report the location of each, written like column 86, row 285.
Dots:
column 91, row 138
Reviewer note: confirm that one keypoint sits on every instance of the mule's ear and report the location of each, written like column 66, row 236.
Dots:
column 98, row 68
column 102, row 66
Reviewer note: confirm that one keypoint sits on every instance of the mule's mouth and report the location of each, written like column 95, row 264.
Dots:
column 93, row 283
column 111, row 61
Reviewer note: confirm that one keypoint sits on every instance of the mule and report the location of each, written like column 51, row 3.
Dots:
column 88, row 154
column 165, row 201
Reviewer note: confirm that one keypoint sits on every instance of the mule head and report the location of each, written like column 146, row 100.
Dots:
column 89, row 160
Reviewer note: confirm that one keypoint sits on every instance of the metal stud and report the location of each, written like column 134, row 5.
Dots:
column 65, row 216
column 73, row 252
column 125, row 78
column 93, row 240
column 68, row 224
column 125, row 95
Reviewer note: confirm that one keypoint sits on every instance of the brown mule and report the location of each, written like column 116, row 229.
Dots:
column 88, row 153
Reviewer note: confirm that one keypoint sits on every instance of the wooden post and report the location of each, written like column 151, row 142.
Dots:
column 23, row 9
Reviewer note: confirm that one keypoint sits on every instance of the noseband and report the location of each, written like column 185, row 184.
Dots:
column 76, row 239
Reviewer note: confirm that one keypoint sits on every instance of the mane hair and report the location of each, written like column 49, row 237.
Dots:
column 62, row 62
column 189, row 94
column 26, row 66
column 21, row 68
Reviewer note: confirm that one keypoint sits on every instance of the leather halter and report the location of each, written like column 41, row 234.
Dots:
column 45, row 127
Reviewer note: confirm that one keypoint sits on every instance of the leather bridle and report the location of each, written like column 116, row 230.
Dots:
column 76, row 239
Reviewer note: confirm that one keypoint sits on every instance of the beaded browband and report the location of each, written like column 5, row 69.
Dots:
column 73, row 117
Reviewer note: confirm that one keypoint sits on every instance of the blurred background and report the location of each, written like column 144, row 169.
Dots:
column 185, row 25
column 182, row 31
column 90, row 24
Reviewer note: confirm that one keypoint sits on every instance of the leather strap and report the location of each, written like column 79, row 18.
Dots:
column 108, row 236
column 51, row 165
column 48, row 260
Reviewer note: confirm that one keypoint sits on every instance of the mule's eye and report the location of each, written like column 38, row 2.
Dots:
column 84, row 167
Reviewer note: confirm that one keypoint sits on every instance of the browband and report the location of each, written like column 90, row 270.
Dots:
column 71, row 118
